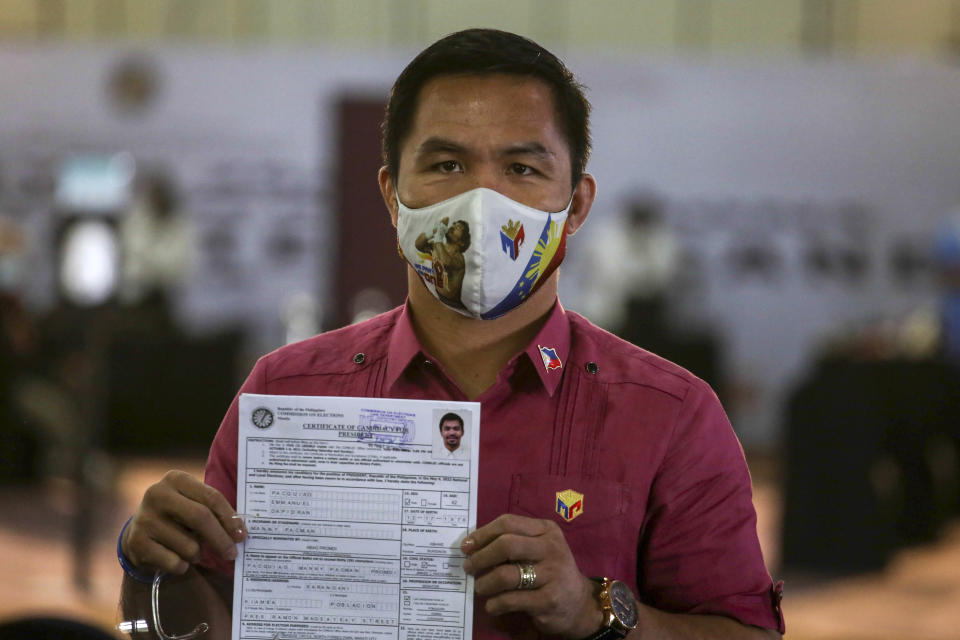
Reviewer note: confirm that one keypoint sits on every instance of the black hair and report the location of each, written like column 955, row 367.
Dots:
column 483, row 52
column 450, row 416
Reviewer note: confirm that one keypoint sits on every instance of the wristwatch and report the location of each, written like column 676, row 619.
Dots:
column 619, row 610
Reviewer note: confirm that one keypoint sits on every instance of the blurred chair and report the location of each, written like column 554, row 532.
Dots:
column 871, row 450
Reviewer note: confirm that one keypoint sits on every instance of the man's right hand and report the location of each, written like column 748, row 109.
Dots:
column 176, row 516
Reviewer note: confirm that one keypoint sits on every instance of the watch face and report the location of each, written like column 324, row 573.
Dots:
column 623, row 605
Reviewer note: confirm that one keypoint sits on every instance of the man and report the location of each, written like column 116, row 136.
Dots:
column 446, row 257
column 451, row 432
column 488, row 127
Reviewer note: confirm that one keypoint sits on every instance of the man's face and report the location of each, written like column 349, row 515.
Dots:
column 451, row 431
column 455, row 232
column 496, row 131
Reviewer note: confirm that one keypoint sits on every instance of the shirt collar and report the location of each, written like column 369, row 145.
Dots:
column 547, row 352
column 404, row 346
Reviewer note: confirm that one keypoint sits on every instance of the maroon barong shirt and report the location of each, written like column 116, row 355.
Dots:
column 666, row 502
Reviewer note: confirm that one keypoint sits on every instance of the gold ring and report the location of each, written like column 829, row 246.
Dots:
column 528, row 576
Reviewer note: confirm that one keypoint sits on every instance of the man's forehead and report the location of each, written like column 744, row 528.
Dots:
column 449, row 108
column 470, row 86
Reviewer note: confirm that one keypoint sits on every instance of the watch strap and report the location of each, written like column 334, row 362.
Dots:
column 607, row 633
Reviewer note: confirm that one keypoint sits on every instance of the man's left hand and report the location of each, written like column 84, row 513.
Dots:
column 561, row 600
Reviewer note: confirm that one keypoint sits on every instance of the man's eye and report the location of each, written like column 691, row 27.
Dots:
column 448, row 166
column 521, row 169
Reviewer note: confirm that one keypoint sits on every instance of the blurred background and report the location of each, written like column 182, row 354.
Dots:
column 187, row 184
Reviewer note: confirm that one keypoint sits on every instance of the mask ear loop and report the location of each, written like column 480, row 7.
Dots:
column 396, row 194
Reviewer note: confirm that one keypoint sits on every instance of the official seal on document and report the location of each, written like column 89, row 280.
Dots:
column 262, row 418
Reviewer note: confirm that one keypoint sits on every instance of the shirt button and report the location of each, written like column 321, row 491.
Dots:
column 427, row 363
column 592, row 367
column 359, row 358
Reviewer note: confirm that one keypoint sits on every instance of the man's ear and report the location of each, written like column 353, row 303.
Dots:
column 389, row 193
column 583, row 197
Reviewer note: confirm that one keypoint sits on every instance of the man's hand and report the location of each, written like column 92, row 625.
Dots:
column 562, row 600
column 175, row 517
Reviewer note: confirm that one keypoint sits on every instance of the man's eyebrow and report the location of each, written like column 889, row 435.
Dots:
column 528, row 148
column 439, row 145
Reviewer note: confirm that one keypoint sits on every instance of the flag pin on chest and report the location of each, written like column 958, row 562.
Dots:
column 551, row 360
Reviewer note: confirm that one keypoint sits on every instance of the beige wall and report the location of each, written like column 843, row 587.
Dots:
column 722, row 27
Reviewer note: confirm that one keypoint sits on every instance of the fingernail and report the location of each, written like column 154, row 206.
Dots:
column 240, row 533
column 466, row 545
column 467, row 568
column 231, row 553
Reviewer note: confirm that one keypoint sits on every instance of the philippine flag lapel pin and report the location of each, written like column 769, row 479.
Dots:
column 551, row 360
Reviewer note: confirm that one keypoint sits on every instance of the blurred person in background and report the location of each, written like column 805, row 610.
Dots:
column 633, row 262
column 489, row 127
column 156, row 238
column 42, row 376
column 635, row 277
column 930, row 332
column 43, row 373
column 19, row 341
column 947, row 259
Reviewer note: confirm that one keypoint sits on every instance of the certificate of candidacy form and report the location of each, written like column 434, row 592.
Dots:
column 355, row 516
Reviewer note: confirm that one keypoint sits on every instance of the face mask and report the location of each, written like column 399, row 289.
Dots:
column 481, row 253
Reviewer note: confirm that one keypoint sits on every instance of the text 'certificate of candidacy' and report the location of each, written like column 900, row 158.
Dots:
column 355, row 509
